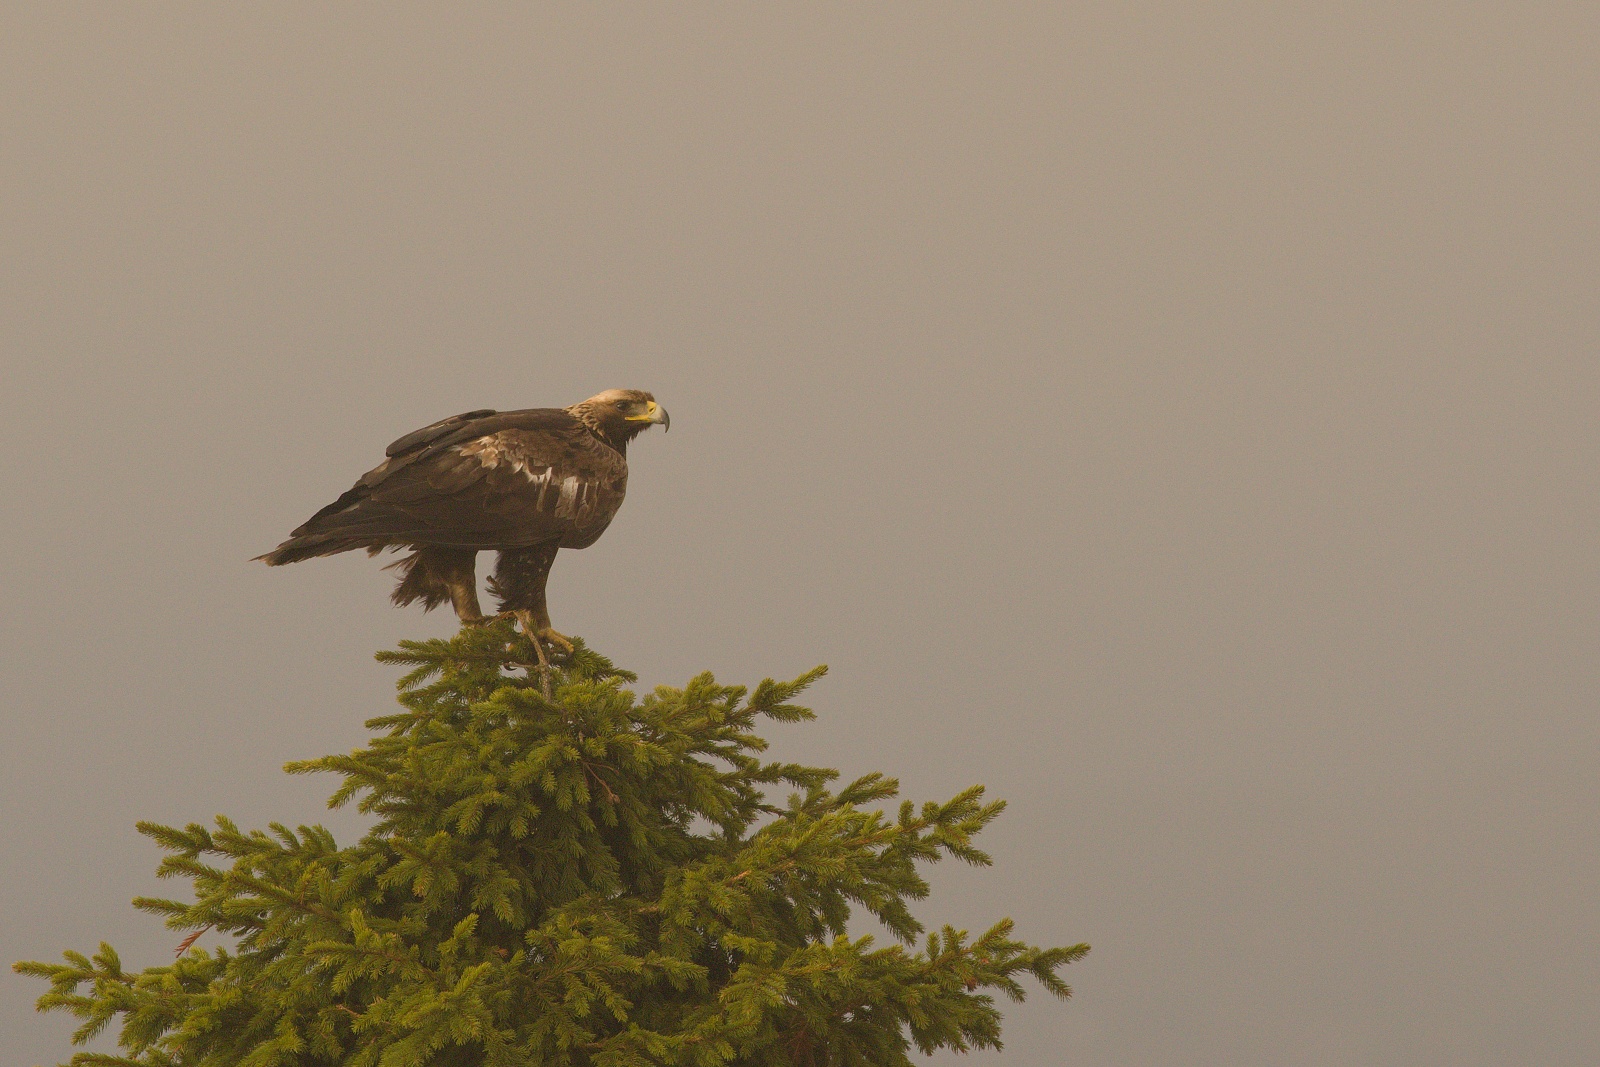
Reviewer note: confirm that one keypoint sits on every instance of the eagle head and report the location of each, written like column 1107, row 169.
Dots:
column 621, row 414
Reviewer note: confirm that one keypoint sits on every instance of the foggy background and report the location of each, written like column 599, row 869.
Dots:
column 1179, row 417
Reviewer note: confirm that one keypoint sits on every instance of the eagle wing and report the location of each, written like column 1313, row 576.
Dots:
column 416, row 440
column 483, row 479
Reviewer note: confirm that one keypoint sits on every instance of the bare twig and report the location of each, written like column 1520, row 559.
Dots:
column 189, row 941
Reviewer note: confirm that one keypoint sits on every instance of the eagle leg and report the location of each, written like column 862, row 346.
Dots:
column 464, row 598
column 434, row 574
column 556, row 639
column 519, row 580
column 539, row 634
column 529, row 627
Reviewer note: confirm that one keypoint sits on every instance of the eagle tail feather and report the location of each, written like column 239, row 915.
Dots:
column 298, row 548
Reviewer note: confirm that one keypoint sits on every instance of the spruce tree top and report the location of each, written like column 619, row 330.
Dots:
column 597, row 879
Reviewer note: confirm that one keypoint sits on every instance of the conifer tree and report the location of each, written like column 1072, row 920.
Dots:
column 594, row 879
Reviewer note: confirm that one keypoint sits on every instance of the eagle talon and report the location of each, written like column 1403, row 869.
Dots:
column 556, row 640
column 541, row 635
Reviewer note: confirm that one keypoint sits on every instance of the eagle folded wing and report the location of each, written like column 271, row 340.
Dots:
column 524, row 483
column 432, row 432
column 512, row 486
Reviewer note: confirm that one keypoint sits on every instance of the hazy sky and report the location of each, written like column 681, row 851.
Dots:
column 1180, row 417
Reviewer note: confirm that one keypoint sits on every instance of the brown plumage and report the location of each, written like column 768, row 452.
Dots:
column 522, row 483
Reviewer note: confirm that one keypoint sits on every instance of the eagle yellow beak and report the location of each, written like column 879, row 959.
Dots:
column 654, row 413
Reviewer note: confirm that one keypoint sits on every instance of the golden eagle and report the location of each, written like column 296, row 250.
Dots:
column 522, row 483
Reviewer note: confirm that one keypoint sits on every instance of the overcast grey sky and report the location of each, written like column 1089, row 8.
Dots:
column 1180, row 417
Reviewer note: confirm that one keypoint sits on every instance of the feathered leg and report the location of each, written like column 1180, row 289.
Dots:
column 433, row 574
column 519, row 579
column 462, row 581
